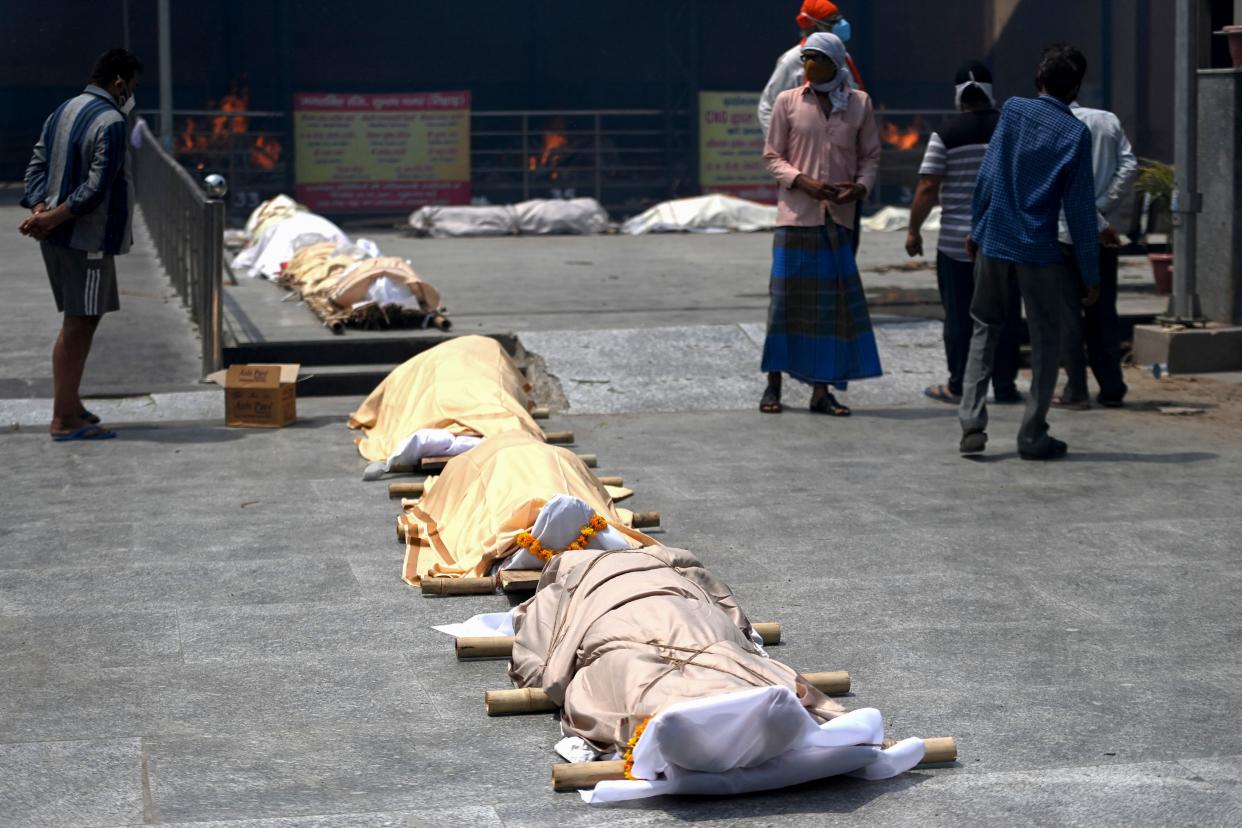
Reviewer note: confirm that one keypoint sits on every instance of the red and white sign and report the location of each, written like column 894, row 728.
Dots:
column 381, row 152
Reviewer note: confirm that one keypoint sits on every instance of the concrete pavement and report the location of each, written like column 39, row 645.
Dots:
column 204, row 626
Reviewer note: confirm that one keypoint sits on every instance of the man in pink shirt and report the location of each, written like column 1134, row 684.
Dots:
column 824, row 149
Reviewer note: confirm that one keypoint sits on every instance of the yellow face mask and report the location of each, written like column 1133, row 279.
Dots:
column 819, row 71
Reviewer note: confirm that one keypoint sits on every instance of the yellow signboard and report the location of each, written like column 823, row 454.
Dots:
column 382, row 152
column 731, row 146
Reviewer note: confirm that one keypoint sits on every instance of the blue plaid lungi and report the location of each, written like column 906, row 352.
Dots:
column 819, row 329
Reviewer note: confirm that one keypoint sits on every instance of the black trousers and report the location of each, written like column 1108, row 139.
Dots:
column 1092, row 336
column 957, row 289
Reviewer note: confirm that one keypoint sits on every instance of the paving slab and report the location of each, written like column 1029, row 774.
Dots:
column 149, row 344
column 71, row 784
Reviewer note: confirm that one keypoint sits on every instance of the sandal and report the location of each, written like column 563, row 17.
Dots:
column 89, row 417
column 771, row 402
column 86, row 432
column 942, row 393
column 827, row 404
column 1068, row 403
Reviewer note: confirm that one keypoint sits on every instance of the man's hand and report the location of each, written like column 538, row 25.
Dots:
column 815, row 188
column 1109, row 237
column 914, row 243
column 1091, row 297
column 971, row 248
column 848, row 192
column 38, row 208
column 41, row 224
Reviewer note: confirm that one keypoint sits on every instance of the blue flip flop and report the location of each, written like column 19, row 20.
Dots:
column 89, row 417
column 86, row 432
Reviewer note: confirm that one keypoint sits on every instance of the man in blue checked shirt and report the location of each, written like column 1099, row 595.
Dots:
column 1038, row 162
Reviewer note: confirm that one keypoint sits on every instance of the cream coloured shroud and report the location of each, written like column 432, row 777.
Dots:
column 471, row 515
column 617, row 637
column 468, row 386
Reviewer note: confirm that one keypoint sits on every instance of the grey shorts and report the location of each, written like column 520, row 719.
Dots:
column 84, row 284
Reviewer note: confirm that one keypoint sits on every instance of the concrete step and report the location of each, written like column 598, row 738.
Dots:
column 346, row 351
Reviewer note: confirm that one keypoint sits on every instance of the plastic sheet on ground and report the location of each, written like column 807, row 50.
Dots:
column 710, row 213
column 269, row 254
column 538, row 217
column 891, row 219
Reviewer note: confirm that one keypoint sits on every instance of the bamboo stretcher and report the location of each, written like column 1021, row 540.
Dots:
column 572, row 776
column 416, row 489
column 524, row 700
column 371, row 316
column 435, row 464
column 642, row 520
column 501, row 646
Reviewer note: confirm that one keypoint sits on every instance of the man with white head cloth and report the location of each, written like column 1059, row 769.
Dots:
column 824, row 149
column 947, row 176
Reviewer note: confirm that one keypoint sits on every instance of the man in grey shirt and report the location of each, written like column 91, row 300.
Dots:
column 80, row 195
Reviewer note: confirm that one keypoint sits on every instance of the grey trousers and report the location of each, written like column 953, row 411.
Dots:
column 1043, row 291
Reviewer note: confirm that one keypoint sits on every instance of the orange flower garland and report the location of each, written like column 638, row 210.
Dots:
column 532, row 545
column 628, row 756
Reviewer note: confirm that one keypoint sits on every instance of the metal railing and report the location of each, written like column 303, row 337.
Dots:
column 187, row 226
column 620, row 157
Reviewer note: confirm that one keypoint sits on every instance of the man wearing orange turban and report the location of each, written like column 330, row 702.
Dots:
column 815, row 16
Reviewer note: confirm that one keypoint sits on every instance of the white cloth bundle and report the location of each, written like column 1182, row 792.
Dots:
column 426, row 442
column 754, row 740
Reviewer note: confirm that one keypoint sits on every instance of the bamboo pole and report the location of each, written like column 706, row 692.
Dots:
column 405, row 489
column 533, row 700
column 558, row 437
column 457, row 586
column 572, row 776
column 540, row 412
column 645, row 520
column 501, row 646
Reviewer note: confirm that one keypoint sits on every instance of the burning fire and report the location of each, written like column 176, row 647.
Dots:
column 228, row 127
column 222, row 125
column 555, row 145
column 902, row 139
column 266, row 152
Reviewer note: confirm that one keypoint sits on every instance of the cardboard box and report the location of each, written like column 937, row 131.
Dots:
column 259, row 396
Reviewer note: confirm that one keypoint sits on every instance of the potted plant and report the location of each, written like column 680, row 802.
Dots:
column 1156, row 180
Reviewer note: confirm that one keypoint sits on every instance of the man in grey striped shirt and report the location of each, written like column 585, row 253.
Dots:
column 947, row 176
column 80, row 195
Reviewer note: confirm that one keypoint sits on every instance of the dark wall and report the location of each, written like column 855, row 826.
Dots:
column 519, row 54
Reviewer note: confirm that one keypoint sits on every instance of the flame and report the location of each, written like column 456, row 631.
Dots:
column 553, row 144
column 223, row 124
column 903, row 139
column 266, row 152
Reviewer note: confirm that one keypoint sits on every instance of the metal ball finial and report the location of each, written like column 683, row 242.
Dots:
column 215, row 185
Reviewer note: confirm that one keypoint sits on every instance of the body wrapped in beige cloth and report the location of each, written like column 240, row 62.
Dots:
column 470, row 516
column 614, row 638
column 467, row 386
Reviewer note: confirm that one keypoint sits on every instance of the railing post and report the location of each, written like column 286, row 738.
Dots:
column 598, row 160
column 213, row 262
column 525, row 158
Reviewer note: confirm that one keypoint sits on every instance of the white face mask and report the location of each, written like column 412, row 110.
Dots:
column 127, row 105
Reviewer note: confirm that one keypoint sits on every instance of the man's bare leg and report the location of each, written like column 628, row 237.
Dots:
column 69, row 355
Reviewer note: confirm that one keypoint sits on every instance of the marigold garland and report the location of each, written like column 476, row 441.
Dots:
column 628, row 756
column 532, row 545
